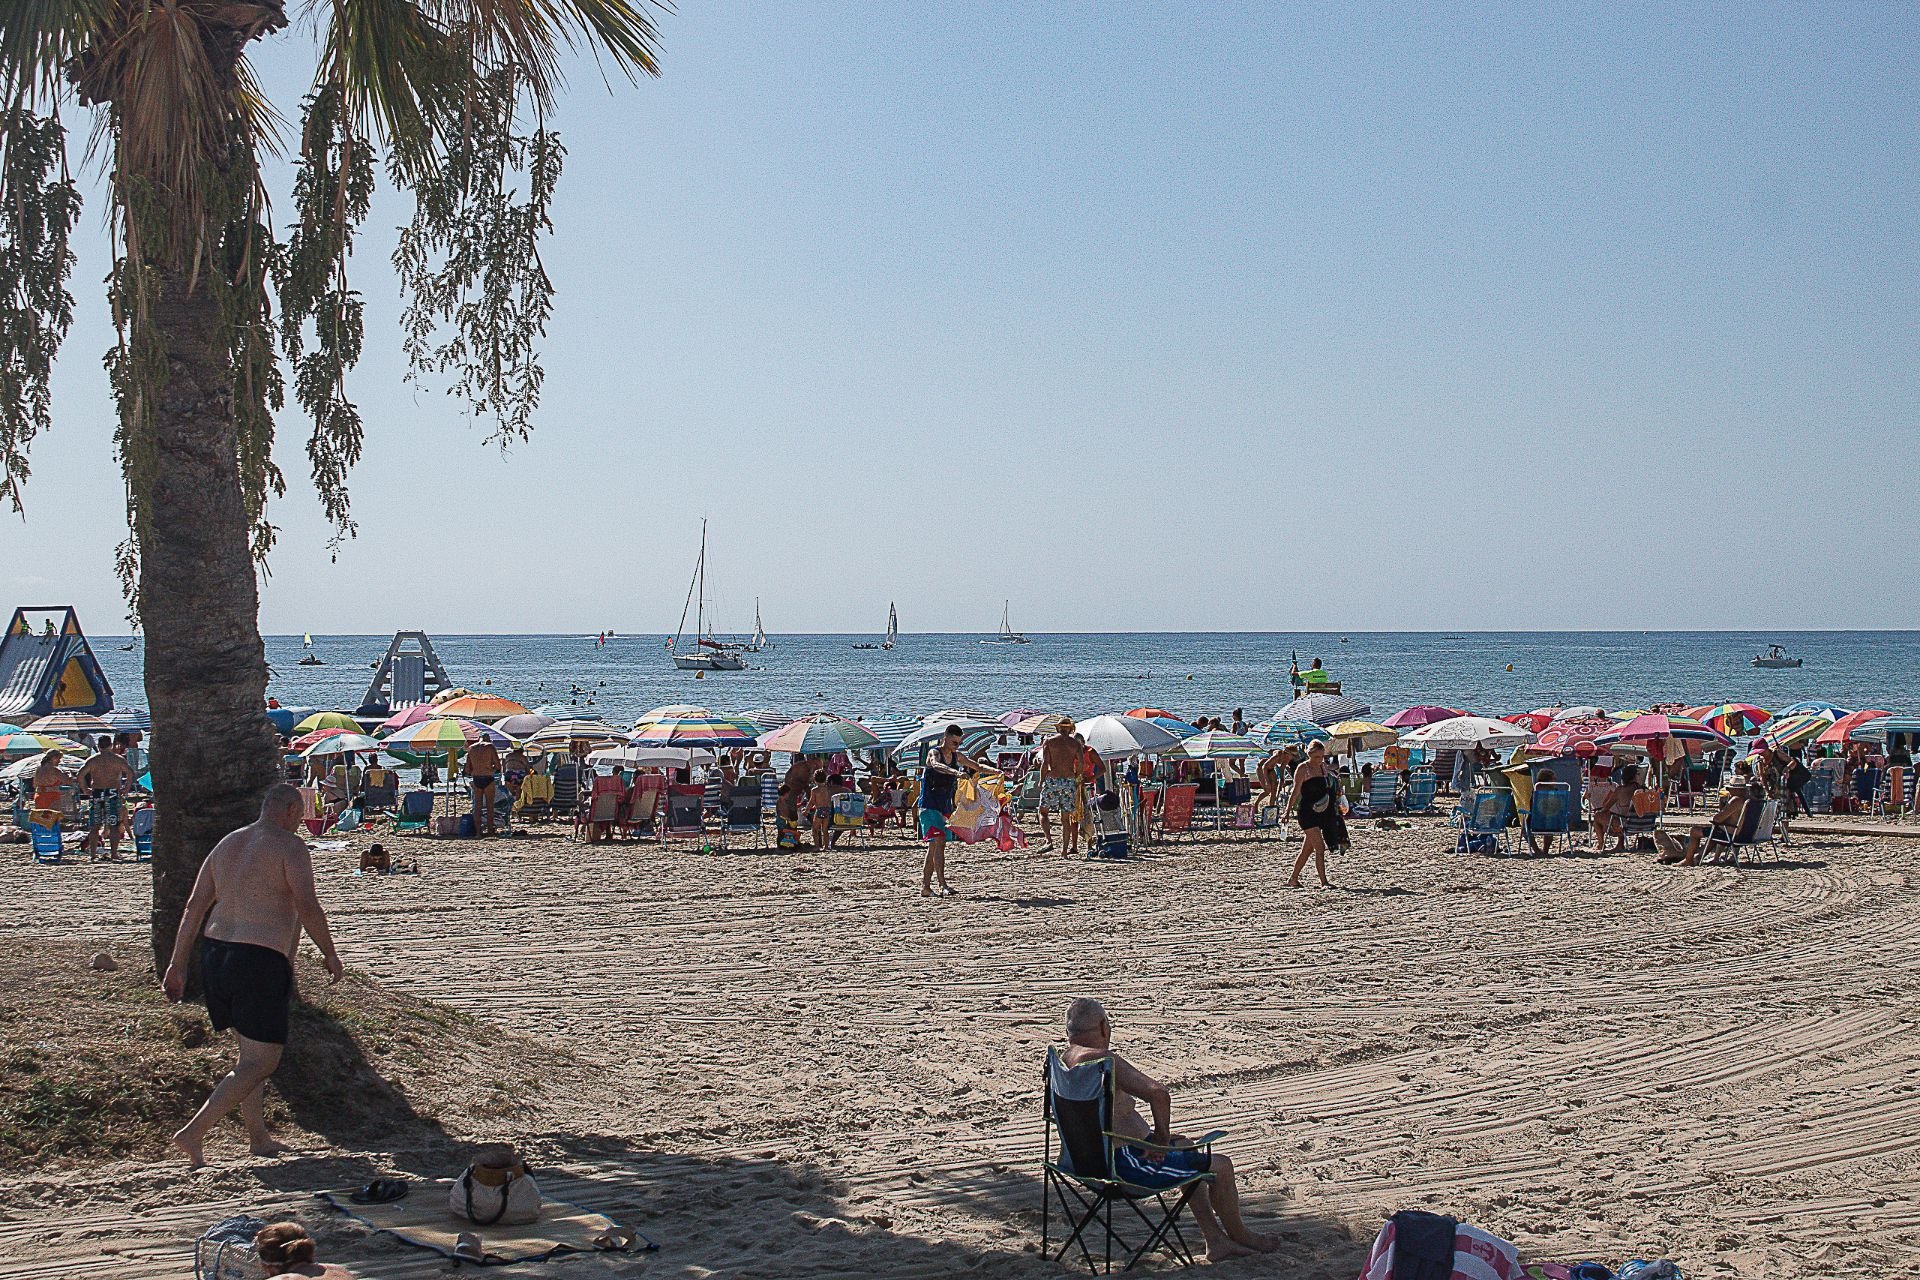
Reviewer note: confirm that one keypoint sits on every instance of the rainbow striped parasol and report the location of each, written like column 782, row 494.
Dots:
column 1735, row 719
column 708, row 731
column 820, row 735
column 443, row 733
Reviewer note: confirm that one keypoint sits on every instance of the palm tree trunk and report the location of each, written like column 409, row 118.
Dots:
column 206, row 668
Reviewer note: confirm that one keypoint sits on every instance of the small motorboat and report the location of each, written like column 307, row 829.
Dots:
column 311, row 661
column 1775, row 657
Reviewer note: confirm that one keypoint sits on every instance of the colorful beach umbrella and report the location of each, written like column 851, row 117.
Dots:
column 1843, row 730
column 1323, row 708
column 1040, row 725
column 405, row 716
column 484, row 707
column 1572, row 737
column 1414, row 717
column 1532, row 721
column 1735, row 719
column 672, row 711
column 1285, row 733
column 444, row 733
column 823, row 734
column 1466, row 733
column 707, row 731
column 1151, row 713
column 70, row 724
column 564, row 734
column 1879, row 730
column 1788, row 732
column 306, row 740
column 1651, row 726
column 1012, row 719
column 17, row 746
column 1216, row 745
column 342, row 743
column 326, row 720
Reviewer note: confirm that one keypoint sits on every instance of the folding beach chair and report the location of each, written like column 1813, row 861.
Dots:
column 46, row 838
column 1176, row 809
column 1483, row 822
column 1384, row 792
column 414, row 814
column 1087, row 1180
column 1765, row 831
column 1422, row 787
column 606, row 800
column 849, row 814
column 643, row 806
column 566, row 788
column 685, row 817
column 1549, row 815
column 143, row 834
column 743, row 815
column 1109, row 831
column 381, row 791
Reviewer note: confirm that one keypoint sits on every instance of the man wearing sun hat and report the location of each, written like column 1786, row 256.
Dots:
column 1061, row 761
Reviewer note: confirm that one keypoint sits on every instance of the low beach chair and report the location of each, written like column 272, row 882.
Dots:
column 1422, row 787
column 642, row 808
column 46, row 837
column 849, row 815
column 743, row 816
column 143, row 834
column 1549, row 815
column 1483, row 822
column 685, row 817
column 1383, row 795
column 566, row 789
column 1108, row 833
column 1176, row 810
column 1766, row 831
column 1086, row 1182
column 414, row 814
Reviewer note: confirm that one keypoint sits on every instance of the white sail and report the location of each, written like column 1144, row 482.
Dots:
column 893, row 626
column 309, row 639
column 759, row 631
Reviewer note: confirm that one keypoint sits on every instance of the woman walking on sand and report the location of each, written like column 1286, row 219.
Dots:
column 1317, row 806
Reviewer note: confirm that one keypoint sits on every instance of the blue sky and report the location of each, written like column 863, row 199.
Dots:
column 1155, row 317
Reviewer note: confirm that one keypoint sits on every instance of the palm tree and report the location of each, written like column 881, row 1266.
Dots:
column 449, row 97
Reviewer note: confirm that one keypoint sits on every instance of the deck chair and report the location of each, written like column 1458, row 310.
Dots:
column 643, row 805
column 566, row 788
column 143, row 834
column 1176, row 809
column 1108, row 830
column 849, row 814
column 606, row 800
column 743, row 815
column 414, row 813
column 1765, row 831
column 1383, row 793
column 1483, row 822
column 381, row 790
column 685, row 818
column 1549, row 815
column 1422, row 787
column 46, row 839
column 1091, row 1174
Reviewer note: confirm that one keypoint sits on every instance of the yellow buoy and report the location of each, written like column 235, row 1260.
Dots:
column 1509, row 666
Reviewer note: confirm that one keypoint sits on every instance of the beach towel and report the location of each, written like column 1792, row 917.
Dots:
column 423, row 1219
column 1477, row 1255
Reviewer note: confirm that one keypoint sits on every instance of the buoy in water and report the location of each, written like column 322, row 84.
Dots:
column 699, row 675
column 1509, row 666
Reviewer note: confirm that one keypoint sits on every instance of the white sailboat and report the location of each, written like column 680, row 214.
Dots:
column 708, row 654
column 759, row 643
column 1007, row 634
column 893, row 627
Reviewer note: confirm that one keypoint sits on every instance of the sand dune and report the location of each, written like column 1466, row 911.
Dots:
column 806, row 1069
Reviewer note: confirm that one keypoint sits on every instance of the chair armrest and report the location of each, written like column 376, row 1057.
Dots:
column 1205, row 1140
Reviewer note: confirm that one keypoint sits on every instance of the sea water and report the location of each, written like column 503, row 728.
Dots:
column 1189, row 674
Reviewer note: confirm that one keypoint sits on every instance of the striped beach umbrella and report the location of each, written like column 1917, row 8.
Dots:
column 1814, row 707
column 672, row 711
column 342, row 743
column 974, row 738
column 823, row 734
column 484, row 707
column 1652, row 726
column 1323, row 708
column 1286, row 733
column 69, row 724
column 1214, row 745
column 444, row 733
column 708, row 732
column 765, row 720
column 326, row 720
column 890, row 730
column 1040, row 724
column 563, row 734
column 1880, row 729
column 129, row 720
column 19, row 745
column 1789, row 732
column 1735, row 719
column 1847, row 727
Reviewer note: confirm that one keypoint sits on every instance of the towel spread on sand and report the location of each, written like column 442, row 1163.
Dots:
column 423, row 1219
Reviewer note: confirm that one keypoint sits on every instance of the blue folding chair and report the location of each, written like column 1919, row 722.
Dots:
column 46, row 841
column 143, row 835
column 1422, row 787
column 1483, row 823
column 1383, row 792
column 1549, row 815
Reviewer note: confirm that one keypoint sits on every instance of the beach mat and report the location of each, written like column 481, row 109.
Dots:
column 423, row 1219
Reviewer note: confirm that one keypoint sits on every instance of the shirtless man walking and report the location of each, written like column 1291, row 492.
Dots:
column 483, row 766
column 1061, row 760
column 254, row 895
column 105, row 778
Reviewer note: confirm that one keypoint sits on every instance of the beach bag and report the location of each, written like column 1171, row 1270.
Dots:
column 225, row 1251
column 495, row 1190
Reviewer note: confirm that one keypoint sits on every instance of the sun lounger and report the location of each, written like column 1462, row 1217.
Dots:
column 1087, row 1184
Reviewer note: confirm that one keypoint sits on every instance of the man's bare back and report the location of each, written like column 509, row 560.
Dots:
column 105, row 771
column 1060, row 757
column 254, row 873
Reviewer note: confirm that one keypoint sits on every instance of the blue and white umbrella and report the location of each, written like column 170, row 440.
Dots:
column 1812, row 707
column 1286, row 733
column 893, row 730
column 1323, row 708
column 130, row 720
column 914, row 747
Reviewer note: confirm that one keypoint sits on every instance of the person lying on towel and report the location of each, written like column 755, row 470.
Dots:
column 1216, row 1207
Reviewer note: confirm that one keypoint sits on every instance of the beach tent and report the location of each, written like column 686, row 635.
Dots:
column 51, row 668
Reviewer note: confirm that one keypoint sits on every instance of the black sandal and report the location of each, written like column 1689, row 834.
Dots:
column 381, row 1191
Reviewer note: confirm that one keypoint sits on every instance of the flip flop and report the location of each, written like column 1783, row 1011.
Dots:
column 616, row 1239
column 381, row 1191
column 468, row 1248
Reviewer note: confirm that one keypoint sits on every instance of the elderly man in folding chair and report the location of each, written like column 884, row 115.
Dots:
column 1156, row 1156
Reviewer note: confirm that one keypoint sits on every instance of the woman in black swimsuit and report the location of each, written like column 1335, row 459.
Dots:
column 1317, row 806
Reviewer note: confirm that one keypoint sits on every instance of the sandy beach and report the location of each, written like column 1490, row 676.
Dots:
column 790, row 1064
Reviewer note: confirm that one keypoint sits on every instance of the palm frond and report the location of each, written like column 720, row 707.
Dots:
column 38, row 38
column 393, row 67
column 529, row 36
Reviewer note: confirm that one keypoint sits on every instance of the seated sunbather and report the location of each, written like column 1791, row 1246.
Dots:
column 1736, row 820
column 1216, row 1208
column 1615, row 807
